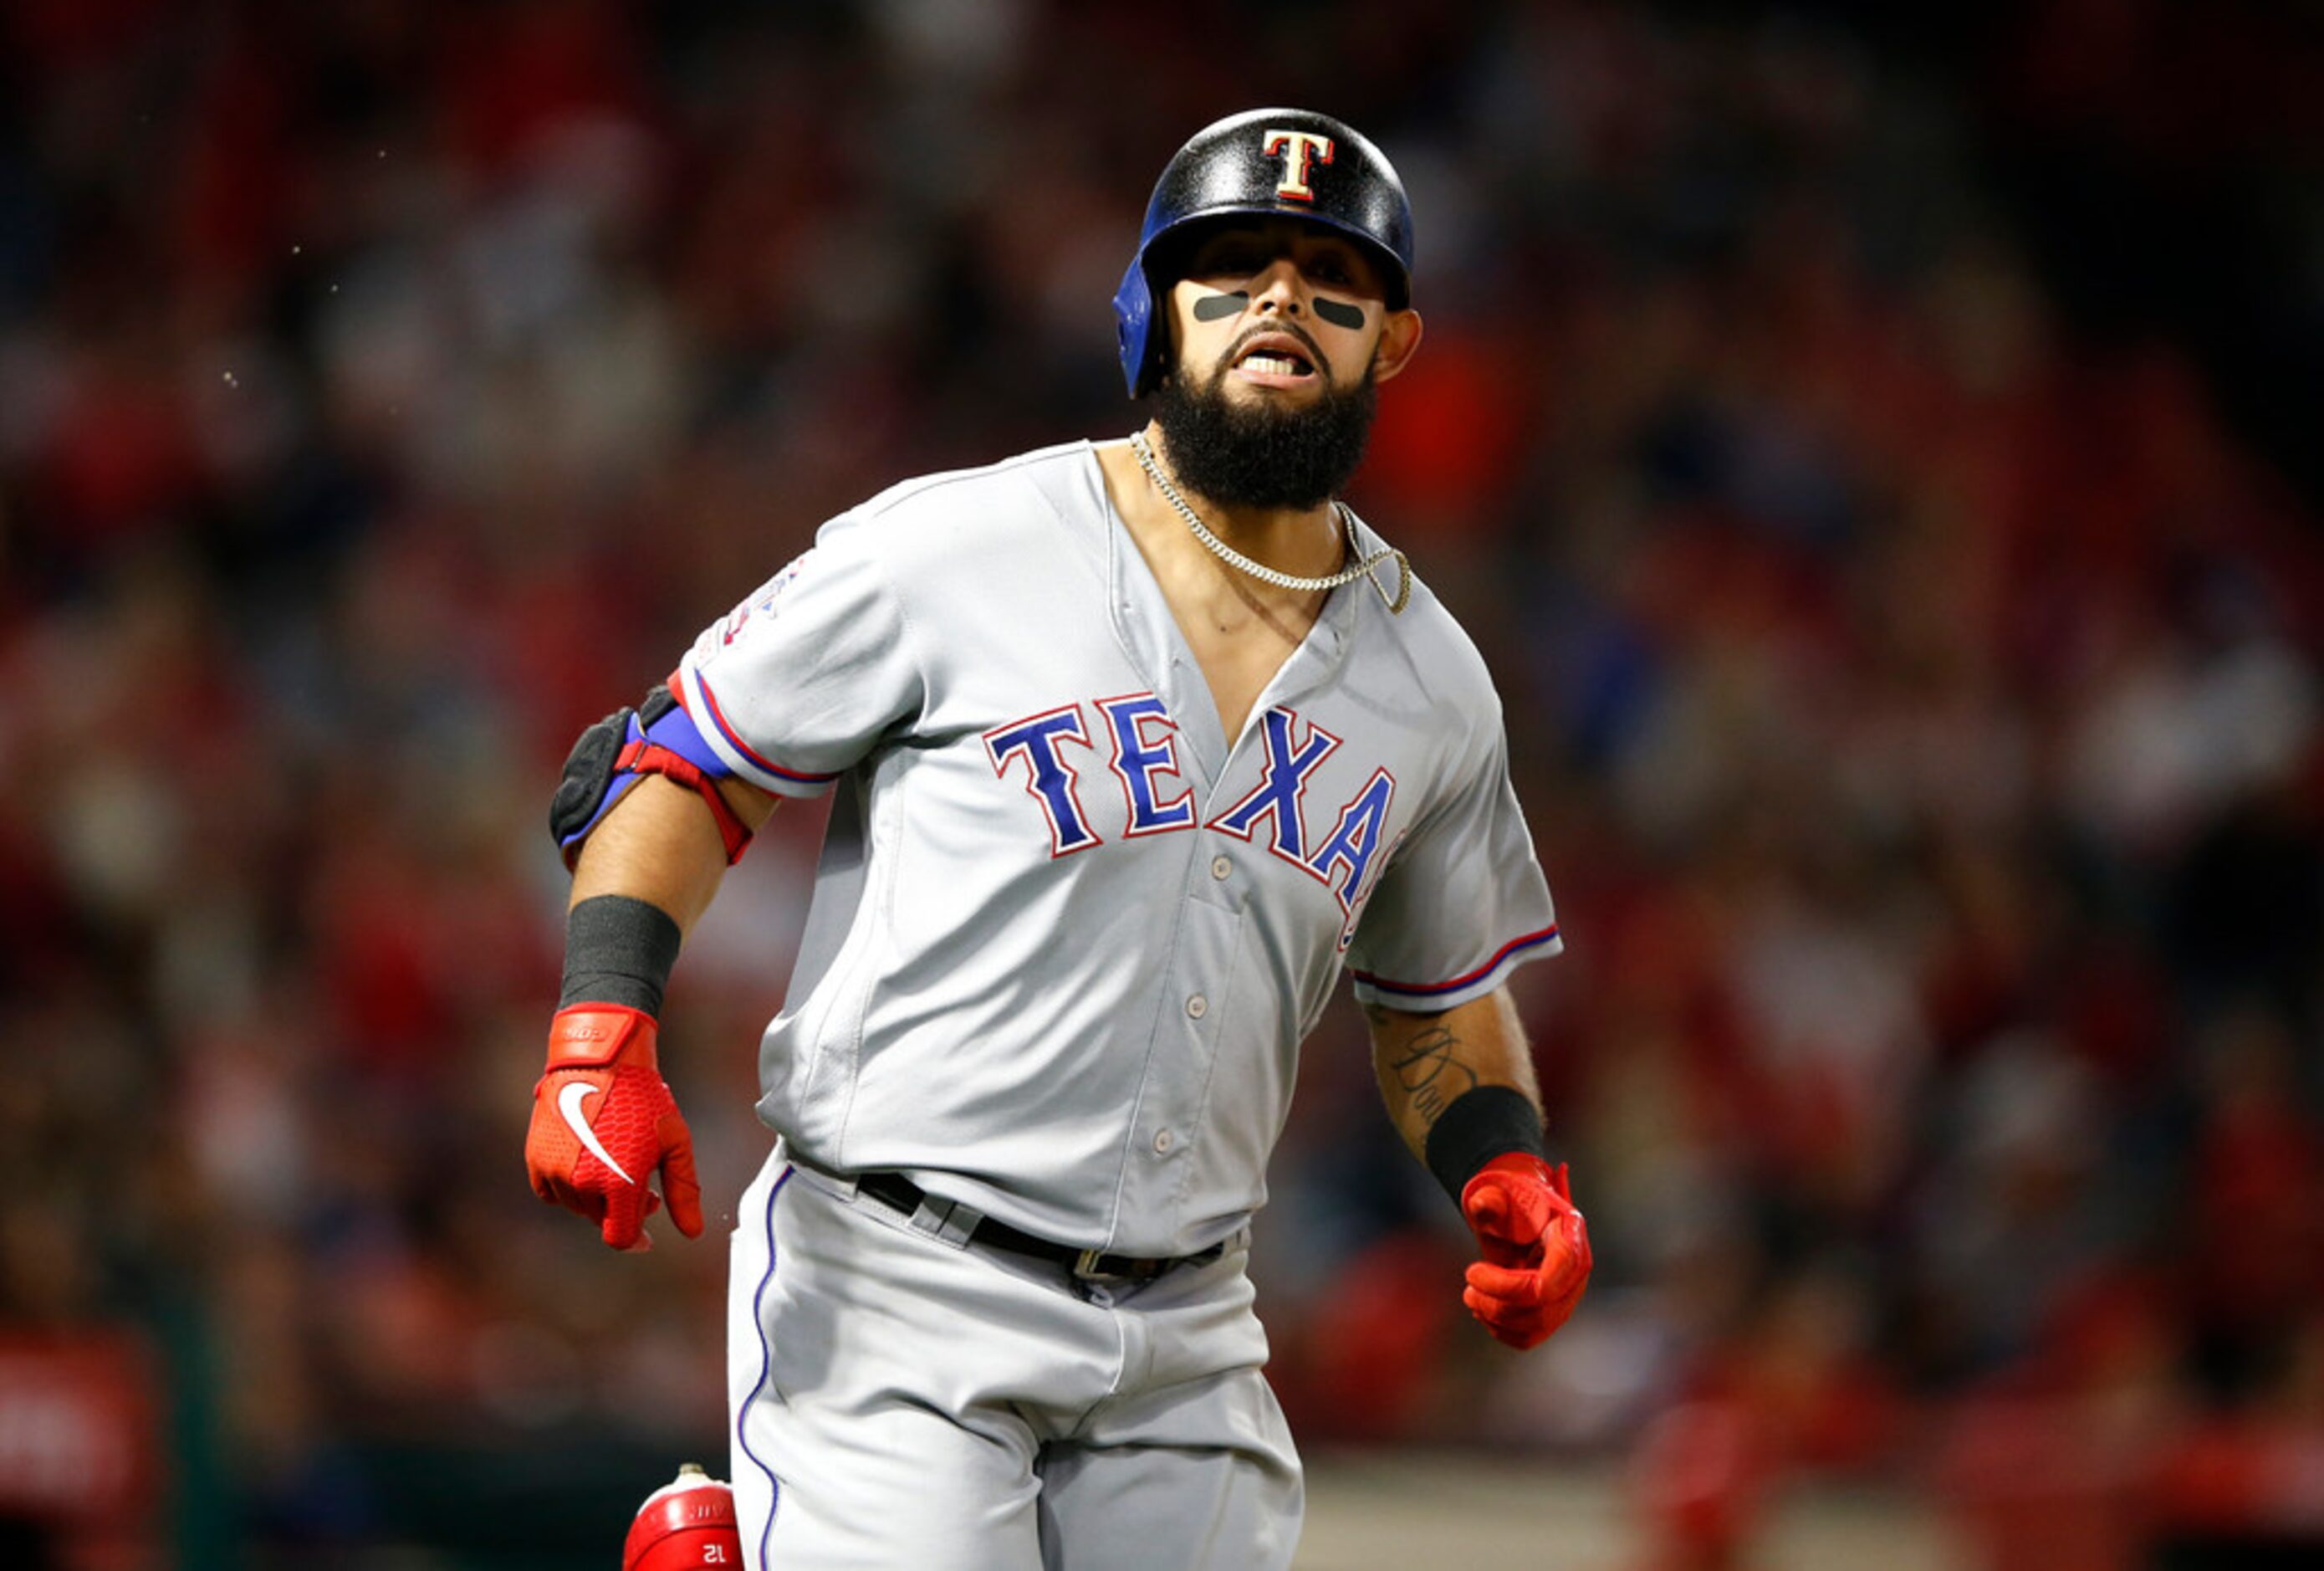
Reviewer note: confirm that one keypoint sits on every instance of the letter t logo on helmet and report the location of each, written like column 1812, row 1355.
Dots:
column 1301, row 151
column 1260, row 164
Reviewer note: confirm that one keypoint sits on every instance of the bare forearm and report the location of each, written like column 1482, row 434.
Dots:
column 602, row 1121
column 661, row 845
column 1425, row 1061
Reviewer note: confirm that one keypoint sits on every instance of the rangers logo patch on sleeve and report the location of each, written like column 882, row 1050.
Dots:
column 763, row 602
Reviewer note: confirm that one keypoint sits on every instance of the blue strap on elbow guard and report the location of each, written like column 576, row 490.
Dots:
column 662, row 721
column 657, row 737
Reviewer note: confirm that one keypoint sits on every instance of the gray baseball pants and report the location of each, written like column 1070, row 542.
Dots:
column 901, row 1399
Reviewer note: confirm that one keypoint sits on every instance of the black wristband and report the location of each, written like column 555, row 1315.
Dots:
column 618, row 950
column 1480, row 1125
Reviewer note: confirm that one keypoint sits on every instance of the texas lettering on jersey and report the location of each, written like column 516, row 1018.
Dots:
column 1139, row 741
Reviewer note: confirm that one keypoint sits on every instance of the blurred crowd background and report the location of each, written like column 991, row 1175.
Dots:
column 1875, row 451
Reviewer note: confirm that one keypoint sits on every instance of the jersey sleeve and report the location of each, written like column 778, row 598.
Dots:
column 797, row 683
column 1462, row 903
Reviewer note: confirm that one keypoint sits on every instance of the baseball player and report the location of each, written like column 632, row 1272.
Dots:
column 1135, row 747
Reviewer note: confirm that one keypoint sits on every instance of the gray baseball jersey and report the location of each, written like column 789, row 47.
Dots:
column 1066, row 935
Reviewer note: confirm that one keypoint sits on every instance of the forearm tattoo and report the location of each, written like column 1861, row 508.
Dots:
column 1429, row 1070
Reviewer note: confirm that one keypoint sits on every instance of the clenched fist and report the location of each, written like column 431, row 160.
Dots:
column 1536, row 1251
column 603, row 1124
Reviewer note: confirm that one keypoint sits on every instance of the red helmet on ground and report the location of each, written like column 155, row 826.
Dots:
column 685, row 1524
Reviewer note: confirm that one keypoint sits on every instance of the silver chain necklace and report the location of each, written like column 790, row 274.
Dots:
column 1361, row 568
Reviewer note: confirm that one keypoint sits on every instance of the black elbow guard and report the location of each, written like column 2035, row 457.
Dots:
column 657, row 738
column 586, row 792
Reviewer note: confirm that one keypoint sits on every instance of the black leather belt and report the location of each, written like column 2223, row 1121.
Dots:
column 899, row 1193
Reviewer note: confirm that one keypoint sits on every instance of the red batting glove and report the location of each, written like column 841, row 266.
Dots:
column 603, row 1124
column 1536, row 1249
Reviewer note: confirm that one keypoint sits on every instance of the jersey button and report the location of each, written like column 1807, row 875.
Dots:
column 1197, row 1007
column 1221, row 867
column 1162, row 1142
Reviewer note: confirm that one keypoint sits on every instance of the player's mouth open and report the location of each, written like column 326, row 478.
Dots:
column 1274, row 361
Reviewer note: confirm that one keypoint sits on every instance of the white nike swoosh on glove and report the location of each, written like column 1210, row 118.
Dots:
column 568, row 1106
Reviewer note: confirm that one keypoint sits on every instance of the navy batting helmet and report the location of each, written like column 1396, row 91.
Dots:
column 1276, row 163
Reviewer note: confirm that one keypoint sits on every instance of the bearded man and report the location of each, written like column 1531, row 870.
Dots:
column 1137, row 745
